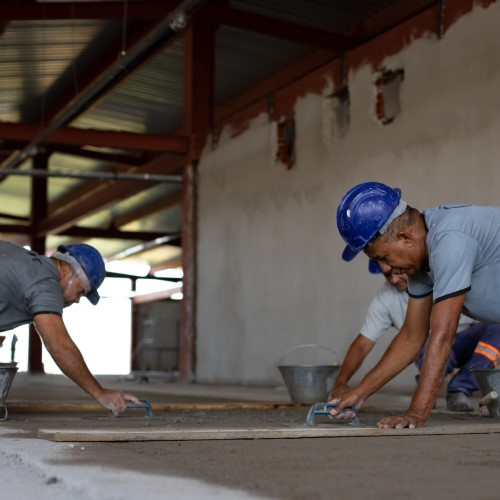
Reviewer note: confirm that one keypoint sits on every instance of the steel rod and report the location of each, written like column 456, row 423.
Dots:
column 103, row 175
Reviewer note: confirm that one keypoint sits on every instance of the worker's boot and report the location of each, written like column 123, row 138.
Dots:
column 458, row 401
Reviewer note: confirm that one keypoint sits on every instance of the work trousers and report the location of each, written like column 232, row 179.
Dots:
column 476, row 347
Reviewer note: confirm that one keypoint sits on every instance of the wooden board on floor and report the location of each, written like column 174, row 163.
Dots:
column 201, row 434
column 82, row 407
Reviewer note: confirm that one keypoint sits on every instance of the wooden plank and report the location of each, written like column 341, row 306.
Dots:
column 205, row 434
column 84, row 407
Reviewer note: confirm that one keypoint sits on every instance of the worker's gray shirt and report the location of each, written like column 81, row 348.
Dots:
column 29, row 285
column 464, row 257
column 388, row 309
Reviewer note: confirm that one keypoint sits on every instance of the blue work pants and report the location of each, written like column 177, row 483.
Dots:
column 476, row 347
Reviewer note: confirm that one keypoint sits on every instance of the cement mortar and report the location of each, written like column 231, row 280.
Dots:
column 413, row 467
column 448, row 467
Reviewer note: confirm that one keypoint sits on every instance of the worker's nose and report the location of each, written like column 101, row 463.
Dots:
column 386, row 269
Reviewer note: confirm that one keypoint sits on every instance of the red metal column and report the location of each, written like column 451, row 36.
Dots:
column 38, row 213
column 199, row 58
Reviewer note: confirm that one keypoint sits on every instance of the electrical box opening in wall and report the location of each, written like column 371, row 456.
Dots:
column 388, row 88
column 336, row 115
column 285, row 153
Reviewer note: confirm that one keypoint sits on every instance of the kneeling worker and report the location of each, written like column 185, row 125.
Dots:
column 451, row 255
column 35, row 288
column 474, row 341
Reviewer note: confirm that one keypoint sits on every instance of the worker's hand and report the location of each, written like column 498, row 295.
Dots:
column 116, row 401
column 409, row 419
column 344, row 404
column 338, row 390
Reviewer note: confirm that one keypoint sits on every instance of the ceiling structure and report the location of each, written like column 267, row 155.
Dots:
column 104, row 103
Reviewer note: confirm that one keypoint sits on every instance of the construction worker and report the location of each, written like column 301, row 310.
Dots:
column 387, row 309
column 35, row 288
column 451, row 255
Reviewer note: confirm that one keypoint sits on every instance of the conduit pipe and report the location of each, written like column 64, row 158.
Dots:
column 176, row 21
column 108, row 176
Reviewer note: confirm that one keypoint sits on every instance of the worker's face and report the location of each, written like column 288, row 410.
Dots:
column 73, row 290
column 398, row 280
column 397, row 257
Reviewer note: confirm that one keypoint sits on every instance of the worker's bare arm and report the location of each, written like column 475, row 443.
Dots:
column 401, row 352
column 357, row 352
column 68, row 357
column 444, row 322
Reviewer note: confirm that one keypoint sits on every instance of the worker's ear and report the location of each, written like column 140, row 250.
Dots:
column 406, row 236
column 66, row 270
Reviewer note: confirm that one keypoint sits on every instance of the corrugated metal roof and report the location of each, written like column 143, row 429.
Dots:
column 148, row 101
column 37, row 56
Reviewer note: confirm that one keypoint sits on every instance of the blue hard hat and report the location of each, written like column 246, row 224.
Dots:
column 374, row 267
column 362, row 212
column 92, row 263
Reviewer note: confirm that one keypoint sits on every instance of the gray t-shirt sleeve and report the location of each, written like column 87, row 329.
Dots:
column 41, row 290
column 452, row 259
column 386, row 309
column 44, row 297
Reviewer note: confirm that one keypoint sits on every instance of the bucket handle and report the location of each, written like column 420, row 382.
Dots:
column 300, row 347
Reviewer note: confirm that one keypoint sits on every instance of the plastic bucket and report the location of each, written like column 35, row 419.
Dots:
column 489, row 384
column 308, row 383
column 7, row 374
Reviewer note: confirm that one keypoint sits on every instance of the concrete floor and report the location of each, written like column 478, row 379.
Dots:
column 412, row 466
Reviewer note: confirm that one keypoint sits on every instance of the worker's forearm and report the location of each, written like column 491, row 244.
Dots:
column 346, row 372
column 66, row 353
column 444, row 322
column 355, row 356
column 432, row 373
column 401, row 353
column 69, row 359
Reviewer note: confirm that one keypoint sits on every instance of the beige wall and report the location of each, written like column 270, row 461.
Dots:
column 270, row 272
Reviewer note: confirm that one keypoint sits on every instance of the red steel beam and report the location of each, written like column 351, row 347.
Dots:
column 162, row 203
column 38, row 211
column 199, row 80
column 110, row 233
column 109, row 139
column 199, row 56
column 390, row 17
column 277, row 28
column 66, row 217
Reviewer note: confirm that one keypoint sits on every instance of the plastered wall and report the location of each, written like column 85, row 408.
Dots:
column 270, row 275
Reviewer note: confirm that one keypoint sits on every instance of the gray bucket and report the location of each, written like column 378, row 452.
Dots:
column 489, row 385
column 308, row 384
column 7, row 374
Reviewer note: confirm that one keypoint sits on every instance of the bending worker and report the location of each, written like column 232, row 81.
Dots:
column 451, row 255
column 471, row 348
column 35, row 288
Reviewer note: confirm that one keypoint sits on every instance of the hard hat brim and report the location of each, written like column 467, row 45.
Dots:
column 348, row 254
column 93, row 297
column 374, row 267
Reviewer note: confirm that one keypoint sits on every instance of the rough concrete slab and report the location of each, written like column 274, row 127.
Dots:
column 409, row 466
column 36, row 469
